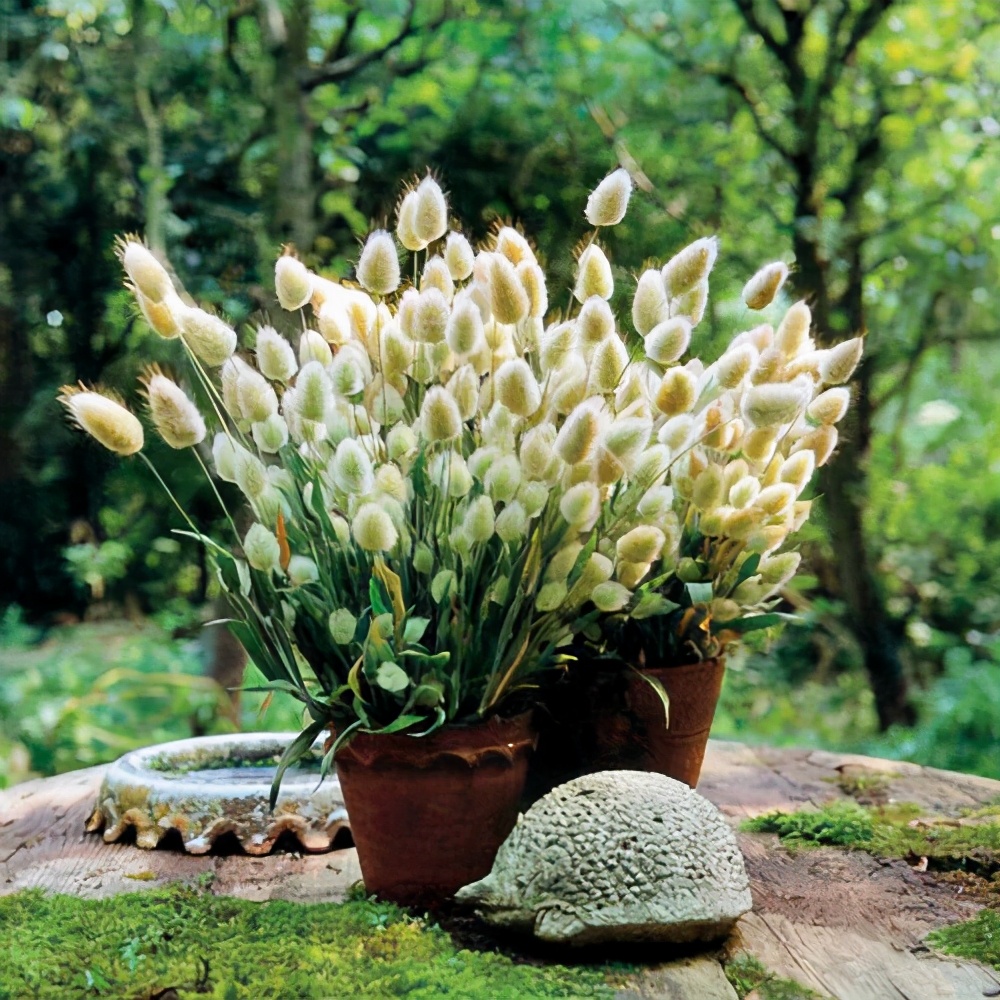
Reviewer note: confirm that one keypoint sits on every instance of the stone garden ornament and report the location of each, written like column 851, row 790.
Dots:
column 617, row 856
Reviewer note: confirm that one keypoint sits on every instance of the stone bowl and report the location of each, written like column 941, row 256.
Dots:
column 213, row 785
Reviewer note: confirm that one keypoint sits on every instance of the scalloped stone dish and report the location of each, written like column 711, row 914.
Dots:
column 214, row 785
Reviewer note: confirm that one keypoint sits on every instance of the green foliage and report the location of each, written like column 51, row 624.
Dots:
column 841, row 824
column 978, row 939
column 748, row 975
column 885, row 831
column 88, row 693
column 140, row 944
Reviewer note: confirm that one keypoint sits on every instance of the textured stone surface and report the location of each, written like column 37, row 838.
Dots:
column 214, row 785
column 617, row 856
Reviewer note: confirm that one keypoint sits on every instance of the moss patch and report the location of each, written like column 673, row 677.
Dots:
column 749, row 975
column 978, row 938
column 139, row 945
column 886, row 832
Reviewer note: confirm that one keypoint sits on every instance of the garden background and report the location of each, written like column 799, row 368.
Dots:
column 859, row 138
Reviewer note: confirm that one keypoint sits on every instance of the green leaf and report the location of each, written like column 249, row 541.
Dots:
column 433, row 662
column 582, row 559
column 748, row 568
column 753, row 623
column 402, row 722
column 699, row 593
column 444, row 586
column 297, row 749
column 661, row 692
column 380, row 602
column 391, row 677
column 428, row 694
column 414, row 629
column 650, row 605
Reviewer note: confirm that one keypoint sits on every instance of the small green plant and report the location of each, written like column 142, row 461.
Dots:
column 978, row 938
column 200, row 945
column 748, row 975
column 841, row 824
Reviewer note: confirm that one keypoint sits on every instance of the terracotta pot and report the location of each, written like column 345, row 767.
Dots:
column 428, row 814
column 637, row 738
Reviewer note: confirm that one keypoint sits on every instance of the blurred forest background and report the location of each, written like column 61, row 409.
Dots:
column 858, row 138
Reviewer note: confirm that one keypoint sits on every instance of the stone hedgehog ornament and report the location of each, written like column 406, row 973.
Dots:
column 617, row 856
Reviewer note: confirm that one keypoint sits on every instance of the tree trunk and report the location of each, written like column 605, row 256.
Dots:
column 843, row 485
column 296, row 193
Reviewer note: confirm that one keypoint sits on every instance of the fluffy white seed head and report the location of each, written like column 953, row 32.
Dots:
column 458, row 256
column 450, row 473
column 610, row 596
column 293, row 282
column 261, row 549
column 401, row 442
column 773, row 403
column 464, row 388
column 578, row 434
column 257, row 398
column 512, row 245
column 650, row 306
column 104, row 419
column 667, row 341
column 760, row 290
column 516, row 387
column 709, row 489
column 378, row 266
column 347, row 373
column 164, row 317
column 176, row 417
column 373, row 529
column 275, row 357
column 607, row 366
column 735, row 365
column 676, row 432
column 503, row 478
column 677, row 392
column 313, row 347
column 839, row 362
column 593, row 275
column 532, row 278
column 642, row 544
column 406, row 223
column 464, row 331
column 249, row 473
column 436, row 275
column 439, row 415
column 351, row 469
column 334, row 323
column 146, row 273
column 508, row 299
column 820, row 441
column 792, row 335
column 777, row 570
column 512, row 523
column 830, row 407
column 212, row 340
column 692, row 304
column 479, row 520
column 533, row 497
column 797, row 470
column 224, row 457
column 430, row 216
column 430, row 317
column 692, row 265
column 581, row 505
column 270, row 435
column 557, row 345
column 595, row 322
column 313, row 392
column 744, row 491
column 608, row 202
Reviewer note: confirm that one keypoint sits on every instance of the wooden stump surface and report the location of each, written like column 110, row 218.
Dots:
column 844, row 923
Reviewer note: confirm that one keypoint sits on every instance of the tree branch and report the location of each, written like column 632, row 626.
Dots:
column 729, row 80
column 349, row 65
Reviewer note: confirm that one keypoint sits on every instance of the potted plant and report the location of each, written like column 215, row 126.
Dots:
column 702, row 554
column 424, row 470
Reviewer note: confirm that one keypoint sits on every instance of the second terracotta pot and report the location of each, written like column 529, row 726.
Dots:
column 428, row 814
column 638, row 737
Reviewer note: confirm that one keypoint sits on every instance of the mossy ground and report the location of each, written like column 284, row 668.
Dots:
column 138, row 945
column 748, row 975
column 967, row 853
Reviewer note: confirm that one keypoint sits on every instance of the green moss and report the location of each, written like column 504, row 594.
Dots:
column 885, row 831
column 978, row 938
column 749, row 975
column 203, row 946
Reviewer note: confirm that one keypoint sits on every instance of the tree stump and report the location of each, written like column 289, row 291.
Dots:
column 843, row 923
